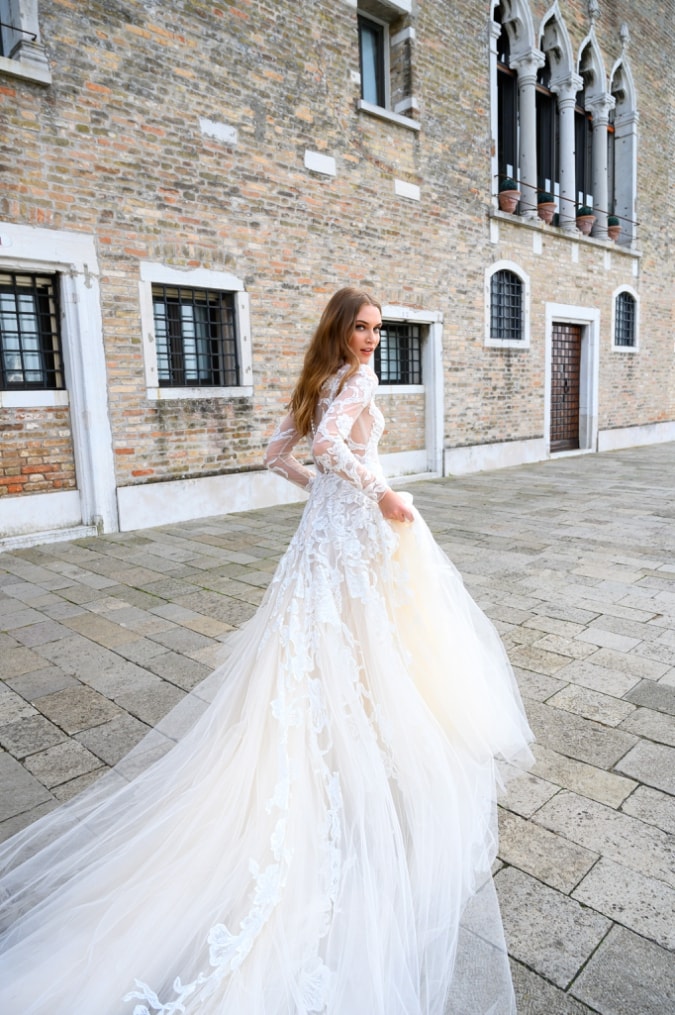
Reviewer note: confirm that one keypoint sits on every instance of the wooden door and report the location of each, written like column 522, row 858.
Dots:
column 565, row 378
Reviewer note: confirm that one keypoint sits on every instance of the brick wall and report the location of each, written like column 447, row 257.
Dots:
column 37, row 451
column 113, row 147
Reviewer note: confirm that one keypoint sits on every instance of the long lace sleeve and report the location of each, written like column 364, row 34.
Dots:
column 340, row 423
column 279, row 457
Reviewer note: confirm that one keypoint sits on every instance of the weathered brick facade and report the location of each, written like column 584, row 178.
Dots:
column 118, row 147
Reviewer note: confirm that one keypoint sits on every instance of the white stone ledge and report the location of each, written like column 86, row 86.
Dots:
column 26, row 71
column 387, row 114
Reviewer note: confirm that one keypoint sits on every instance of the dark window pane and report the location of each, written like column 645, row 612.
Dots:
column 506, row 307
column 30, row 339
column 371, row 49
column 196, row 338
column 398, row 357
column 624, row 331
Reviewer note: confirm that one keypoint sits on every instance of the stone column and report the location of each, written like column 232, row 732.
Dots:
column 527, row 66
column 600, row 107
column 567, row 91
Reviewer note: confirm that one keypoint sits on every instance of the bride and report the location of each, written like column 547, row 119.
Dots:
column 312, row 829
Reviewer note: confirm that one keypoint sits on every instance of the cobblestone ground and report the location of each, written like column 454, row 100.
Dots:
column 573, row 559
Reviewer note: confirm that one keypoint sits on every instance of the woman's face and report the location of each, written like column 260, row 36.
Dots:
column 366, row 334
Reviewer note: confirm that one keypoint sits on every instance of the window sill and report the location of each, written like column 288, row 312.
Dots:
column 386, row 114
column 192, row 394
column 575, row 236
column 630, row 349
column 26, row 71
column 33, row 399
column 507, row 343
column 399, row 389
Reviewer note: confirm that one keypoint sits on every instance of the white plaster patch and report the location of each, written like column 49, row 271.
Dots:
column 220, row 131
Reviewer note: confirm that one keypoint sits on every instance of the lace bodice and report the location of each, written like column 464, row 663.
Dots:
column 346, row 431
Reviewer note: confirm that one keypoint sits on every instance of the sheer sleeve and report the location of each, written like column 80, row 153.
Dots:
column 279, row 455
column 330, row 449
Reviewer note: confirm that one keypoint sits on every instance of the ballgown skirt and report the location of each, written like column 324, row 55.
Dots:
column 312, row 829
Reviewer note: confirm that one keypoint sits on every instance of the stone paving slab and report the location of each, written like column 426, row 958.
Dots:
column 574, row 561
column 628, row 975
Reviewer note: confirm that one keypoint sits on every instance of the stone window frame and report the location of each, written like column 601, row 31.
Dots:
column 27, row 58
column 419, row 340
column 72, row 256
column 529, row 48
column 197, row 278
column 45, row 285
column 387, row 13
column 506, row 343
column 635, row 347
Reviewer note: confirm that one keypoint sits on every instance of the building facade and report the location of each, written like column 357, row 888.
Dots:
column 184, row 186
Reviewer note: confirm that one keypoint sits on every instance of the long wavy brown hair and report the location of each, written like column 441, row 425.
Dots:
column 327, row 352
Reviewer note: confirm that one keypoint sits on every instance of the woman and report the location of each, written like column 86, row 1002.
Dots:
column 320, row 839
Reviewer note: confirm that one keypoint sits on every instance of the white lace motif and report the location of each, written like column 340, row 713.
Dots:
column 341, row 550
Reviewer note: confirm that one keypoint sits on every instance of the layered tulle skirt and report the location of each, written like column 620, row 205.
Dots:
column 312, row 829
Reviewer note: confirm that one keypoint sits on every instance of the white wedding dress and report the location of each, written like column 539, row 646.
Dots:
column 312, row 831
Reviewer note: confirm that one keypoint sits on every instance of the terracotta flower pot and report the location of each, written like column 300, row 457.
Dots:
column 546, row 211
column 508, row 200
column 585, row 224
column 614, row 232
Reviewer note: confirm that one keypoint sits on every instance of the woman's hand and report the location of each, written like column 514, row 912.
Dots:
column 395, row 508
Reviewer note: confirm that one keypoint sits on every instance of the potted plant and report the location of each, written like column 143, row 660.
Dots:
column 585, row 219
column 509, row 195
column 545, row 206
column 613, row 227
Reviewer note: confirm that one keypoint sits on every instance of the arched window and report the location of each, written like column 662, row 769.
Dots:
column 583, row 148
column 506, row 308
column 507, row 105
column 625, row 320
column 622, row 151
column 548, row 132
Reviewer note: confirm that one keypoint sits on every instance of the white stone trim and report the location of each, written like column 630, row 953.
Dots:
column 319, row 163
column 193, row 278
column 387, row 114
column 626, row 348
column 500, row 455
column 500, row 343
column 432, row 372
column 73, row 257
column 403, row 36
column 148, row 504
column 32, row 513
column 405, row 463
column 589, row 320
column 27, row 58
column 636, row 436
column 34, row 399
column 408, row 190
column 400, row 389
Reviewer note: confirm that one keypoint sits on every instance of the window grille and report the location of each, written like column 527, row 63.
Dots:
column 30, row 338
column 398, row 357
column 372, row 58
column 506, row 307
column 195, row 332
column 624, row 327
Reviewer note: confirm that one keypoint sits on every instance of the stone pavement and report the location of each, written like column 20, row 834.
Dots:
column 573, row 559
